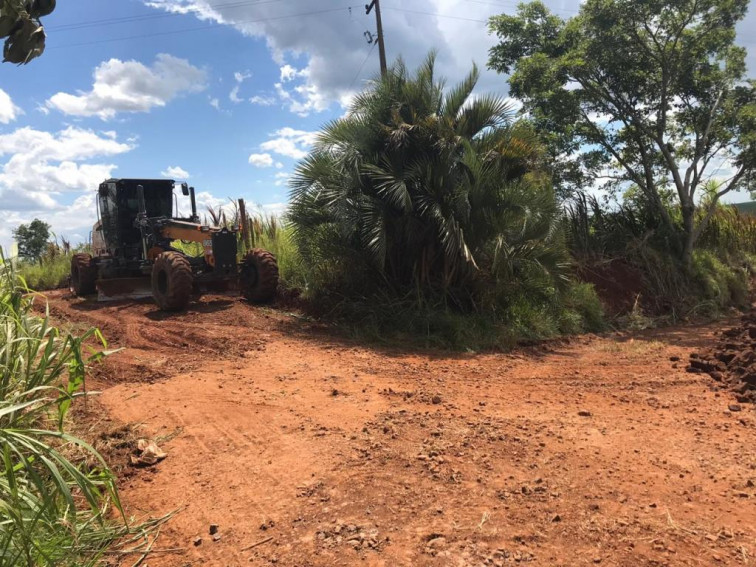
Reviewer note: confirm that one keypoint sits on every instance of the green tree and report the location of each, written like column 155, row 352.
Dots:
column 423, row 188
column 20, row 25
column 651, row 93
column 32, row 239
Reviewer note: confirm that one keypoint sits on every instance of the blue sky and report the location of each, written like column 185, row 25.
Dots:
column 226, row 92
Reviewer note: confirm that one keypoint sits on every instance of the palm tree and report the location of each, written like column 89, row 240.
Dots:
column 427, row 188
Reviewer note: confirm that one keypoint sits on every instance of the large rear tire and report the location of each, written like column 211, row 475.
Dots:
column 171, row 281
column 83, row 275
column 259, row 276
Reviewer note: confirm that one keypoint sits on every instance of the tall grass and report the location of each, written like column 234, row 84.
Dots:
column 716, row 278
column 51, row 273
column 53, row 507
column 266, row 231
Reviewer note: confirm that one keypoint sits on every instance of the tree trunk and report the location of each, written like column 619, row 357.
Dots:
column 688, row 214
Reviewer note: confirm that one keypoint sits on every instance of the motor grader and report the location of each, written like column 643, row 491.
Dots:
column 138, row 248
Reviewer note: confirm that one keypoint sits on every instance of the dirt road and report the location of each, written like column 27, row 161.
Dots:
column 597, row 451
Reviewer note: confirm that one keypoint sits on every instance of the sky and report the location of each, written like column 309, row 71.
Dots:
column 224, row 94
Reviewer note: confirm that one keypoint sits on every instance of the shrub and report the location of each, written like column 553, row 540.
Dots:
column 428, row 198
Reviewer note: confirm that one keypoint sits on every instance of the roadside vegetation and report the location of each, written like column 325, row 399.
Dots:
column 427, row 212
column 55, row 509
column 435, row 213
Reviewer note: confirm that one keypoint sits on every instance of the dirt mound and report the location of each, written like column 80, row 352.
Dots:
column 733, row 360
column 156, row 345
column 618, row 284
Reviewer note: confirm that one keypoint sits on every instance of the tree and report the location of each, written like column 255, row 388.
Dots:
column 649, row 93
column 32, row 239
column 19, row 23
column 423, row 188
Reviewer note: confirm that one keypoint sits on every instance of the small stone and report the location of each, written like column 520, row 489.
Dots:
column 197, row 541
column 734, row 407
column 674, row 359
column 437, row 542
column 556, row 518
column 584, row 413
column 436, row 399
column 334, row 392
column 216, row 537
column 213, row 529
column 749, row 483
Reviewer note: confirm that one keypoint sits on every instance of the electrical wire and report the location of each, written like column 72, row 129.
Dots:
column 152, row 16
column 384, row 8
column 199, row 28
column 361, row 66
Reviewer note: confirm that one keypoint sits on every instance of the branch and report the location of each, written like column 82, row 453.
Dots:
column 701, row 146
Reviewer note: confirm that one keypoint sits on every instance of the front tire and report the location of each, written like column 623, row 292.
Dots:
column 259, row 276
column 171, row 281
column 83, row 275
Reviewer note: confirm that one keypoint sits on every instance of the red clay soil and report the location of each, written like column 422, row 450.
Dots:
column 732, row 360
column 618, row 284
column 308, row 450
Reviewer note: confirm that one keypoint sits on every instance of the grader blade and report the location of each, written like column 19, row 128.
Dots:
column 117, row 289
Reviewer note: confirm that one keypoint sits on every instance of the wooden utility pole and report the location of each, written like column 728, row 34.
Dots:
column 379, row 26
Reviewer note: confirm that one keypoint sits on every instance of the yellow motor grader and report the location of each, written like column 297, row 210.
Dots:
column 134, row 250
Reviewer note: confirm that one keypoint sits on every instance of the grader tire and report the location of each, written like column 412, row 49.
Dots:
column 83, row 275
column 259, row 276
column 171, row 281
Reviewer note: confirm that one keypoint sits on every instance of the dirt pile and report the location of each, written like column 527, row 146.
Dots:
column 733, row 360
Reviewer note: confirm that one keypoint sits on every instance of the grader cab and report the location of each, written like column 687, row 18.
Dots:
column 139, row 245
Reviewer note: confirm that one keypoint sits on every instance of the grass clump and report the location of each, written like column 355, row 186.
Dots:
column 49, row 273
column 54, row 509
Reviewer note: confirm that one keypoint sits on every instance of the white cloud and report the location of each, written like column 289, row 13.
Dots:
column 289, row 73
column 41, row 165
column 40, row 170
column 130, row 86
column 240, row 77
column 261, row 160
column 281, row 178
column 175, row 172
column 8, row 111
column 234, row 95
column 290, row 142
column 263, row 100
column 215, row 103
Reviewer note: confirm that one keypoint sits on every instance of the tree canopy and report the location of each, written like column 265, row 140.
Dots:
column 651, row 94
column 32, row 239
column 20, row 25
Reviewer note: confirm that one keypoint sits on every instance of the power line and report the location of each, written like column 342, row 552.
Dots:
column 200, row 28
column 361, row 66
column 152, row 16
column 437, row 15
column 514, row 5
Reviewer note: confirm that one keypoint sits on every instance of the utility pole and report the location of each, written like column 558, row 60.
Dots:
column 379, row 26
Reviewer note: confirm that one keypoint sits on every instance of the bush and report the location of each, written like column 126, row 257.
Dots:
column 430, row 206
column 719, row 285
